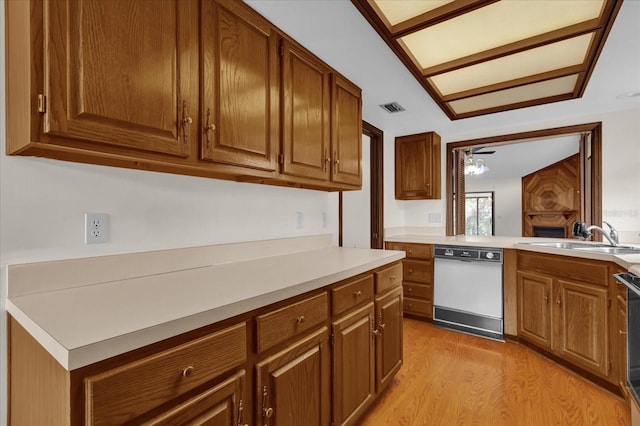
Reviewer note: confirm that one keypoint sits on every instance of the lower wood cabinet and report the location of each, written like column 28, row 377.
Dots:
column 316, row 359
column 221, row 405
column 353, row 364
column 417, row 278
column 292, row 386
column 388, row 336
column 564, row 307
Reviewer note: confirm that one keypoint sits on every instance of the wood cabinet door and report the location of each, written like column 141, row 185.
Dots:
column 222, row 405
column 306, row 132
column 418, row 166
column 582, row 325
column 353, row 365
column 292, row 386
column 389, row 336
column 534, row 308
column 240, row 118
column 346, row 132
column 121, row 73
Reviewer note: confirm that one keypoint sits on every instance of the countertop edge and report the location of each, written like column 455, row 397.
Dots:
column 75, row 358
column 516, row 243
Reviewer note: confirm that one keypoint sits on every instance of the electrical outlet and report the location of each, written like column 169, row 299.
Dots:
column 96, row 228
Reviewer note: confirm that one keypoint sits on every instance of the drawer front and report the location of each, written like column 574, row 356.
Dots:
column 422, row 291
column 280, row 325
column 417, row 270
column 415, row 251
column 122, row 394
column 418, row 307
column 573, row 268
column 389, row 277
column 352, row 294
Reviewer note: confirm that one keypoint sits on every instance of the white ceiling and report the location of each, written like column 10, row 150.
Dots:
column 337, row 33
column 520, row 159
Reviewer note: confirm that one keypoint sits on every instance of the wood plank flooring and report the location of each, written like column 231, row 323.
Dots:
column 451, row 378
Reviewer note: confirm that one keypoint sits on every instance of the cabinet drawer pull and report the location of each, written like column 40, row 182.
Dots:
column 358, row 293
column 392, row 278
column 300, row 320
column 410, row 290
column 187, row 371
column 622, row 332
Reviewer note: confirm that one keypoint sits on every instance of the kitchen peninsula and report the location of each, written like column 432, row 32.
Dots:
column 563, row 303
column 162, row 335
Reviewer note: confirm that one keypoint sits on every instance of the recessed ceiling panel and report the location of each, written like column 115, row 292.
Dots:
column 496, row 25
column 395, row 13
column 477, row 57
column 544, row 89
column 543, row 59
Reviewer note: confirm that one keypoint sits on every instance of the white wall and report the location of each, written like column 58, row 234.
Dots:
column 507, row 203
column 356, row 206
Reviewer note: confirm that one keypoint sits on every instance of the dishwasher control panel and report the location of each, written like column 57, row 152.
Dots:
column 478, row 254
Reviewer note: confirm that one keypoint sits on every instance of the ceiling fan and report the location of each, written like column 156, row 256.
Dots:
column 475, row 151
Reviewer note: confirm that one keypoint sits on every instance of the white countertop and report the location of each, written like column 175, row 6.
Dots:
column 631, row 262
column 83, row 324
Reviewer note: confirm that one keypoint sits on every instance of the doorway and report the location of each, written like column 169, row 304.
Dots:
column 360, row 213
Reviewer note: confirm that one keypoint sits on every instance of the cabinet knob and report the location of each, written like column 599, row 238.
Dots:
column 559, row 302
column 187, row 120
column 358, row 293
column 267, row 412
column 300, row 320
column 411, row 271
column 392, row 278
column 410, row 290
column 187, row 371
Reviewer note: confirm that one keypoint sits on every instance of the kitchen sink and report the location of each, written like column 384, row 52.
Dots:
column 597, row 248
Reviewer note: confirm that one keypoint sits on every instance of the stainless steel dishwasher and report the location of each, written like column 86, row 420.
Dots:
column 467, row 290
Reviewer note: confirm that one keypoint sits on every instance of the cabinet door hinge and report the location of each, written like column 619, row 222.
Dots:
column 42, row 103
column 280, row 158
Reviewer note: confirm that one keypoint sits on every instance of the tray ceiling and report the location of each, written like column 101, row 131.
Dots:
column 477, row 57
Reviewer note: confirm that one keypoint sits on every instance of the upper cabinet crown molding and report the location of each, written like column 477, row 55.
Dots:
column 185, row 86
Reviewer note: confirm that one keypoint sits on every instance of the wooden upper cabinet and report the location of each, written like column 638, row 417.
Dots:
column 118, row 73
column 306, row 97
column 195, row 87
column 418, row 167
column 346, row 132
column 239, row 83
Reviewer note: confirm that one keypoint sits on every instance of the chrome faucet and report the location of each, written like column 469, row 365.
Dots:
column 581, row 230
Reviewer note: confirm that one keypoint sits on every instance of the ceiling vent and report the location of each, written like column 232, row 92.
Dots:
column 392, row 107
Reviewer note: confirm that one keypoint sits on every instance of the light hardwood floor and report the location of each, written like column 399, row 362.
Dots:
column 451, row 378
